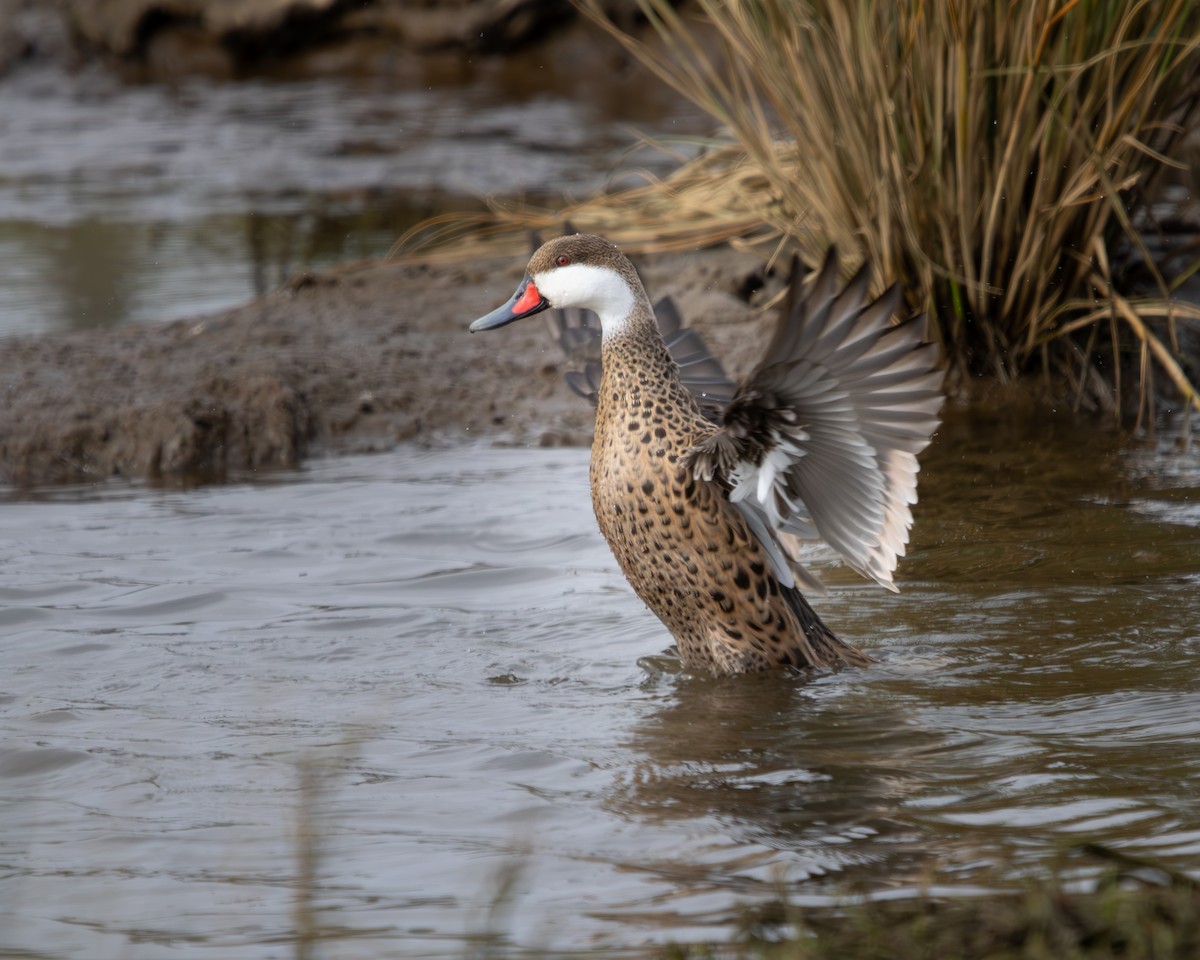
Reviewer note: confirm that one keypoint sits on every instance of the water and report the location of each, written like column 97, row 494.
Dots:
column 124, row 203
column 405, row 690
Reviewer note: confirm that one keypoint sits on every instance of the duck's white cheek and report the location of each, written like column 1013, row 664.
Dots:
column 589, row 287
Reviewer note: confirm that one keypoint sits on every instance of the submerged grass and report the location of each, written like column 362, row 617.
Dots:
column 1136, row 910
column 1040, row 924
column 1094, row 903
column 996, row 157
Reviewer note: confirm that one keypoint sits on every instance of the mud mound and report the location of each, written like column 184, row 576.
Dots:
column 354, row 359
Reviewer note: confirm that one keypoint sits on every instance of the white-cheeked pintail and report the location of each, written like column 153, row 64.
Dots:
column 821, row 439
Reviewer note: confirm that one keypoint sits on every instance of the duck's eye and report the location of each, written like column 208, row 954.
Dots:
column 562, row 260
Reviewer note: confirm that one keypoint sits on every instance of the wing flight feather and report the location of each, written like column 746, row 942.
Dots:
column 823, row 435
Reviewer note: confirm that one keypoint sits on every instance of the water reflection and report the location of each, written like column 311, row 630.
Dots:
column 86, row 269
column 786, row 768
column 97, row 272
column 152, row 203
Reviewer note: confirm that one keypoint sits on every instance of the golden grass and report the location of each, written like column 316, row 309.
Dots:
column 993, row 156
column 717, row 198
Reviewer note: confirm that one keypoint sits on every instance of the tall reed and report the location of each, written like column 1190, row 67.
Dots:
column 994, row 155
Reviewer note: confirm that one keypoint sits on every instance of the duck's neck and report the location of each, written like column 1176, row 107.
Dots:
column 638, row 372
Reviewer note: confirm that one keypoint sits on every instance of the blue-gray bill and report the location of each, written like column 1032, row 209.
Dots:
column 524, row 303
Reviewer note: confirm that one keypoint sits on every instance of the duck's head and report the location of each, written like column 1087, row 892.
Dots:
column 575, row 271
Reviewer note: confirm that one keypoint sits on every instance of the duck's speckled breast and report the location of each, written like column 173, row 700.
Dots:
column 688, row 552
column 671, row 534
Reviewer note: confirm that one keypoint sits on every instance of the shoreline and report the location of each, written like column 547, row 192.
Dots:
column 353, row 359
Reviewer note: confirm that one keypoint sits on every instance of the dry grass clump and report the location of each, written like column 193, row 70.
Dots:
column 718, row 197
column 993, row 155
column 997, row 157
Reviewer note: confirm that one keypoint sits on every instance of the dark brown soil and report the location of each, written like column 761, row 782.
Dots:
column 355, row 359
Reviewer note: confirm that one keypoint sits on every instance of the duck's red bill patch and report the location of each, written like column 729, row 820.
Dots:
column 529, row 299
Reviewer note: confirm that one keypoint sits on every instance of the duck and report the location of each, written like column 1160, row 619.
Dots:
column 705, row 501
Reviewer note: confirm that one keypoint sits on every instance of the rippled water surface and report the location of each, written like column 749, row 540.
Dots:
column 404, row 691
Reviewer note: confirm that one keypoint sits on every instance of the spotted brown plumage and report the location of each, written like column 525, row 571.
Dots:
column 703, row 517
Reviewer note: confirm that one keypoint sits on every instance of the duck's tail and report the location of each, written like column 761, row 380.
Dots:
column 820, row 646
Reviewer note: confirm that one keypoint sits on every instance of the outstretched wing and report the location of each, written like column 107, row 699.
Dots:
column 823, row 436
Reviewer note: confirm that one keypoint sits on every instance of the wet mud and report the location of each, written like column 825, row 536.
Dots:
column 354, row 359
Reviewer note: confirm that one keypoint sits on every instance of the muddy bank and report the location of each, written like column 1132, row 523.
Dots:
column 163, row 39
column 354, row 359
